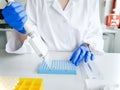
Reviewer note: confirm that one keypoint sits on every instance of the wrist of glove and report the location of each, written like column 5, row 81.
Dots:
column 82, row 53
column 15, row 16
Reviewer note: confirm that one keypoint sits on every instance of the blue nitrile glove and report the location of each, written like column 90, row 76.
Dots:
column 80, row 54
column 15, row 15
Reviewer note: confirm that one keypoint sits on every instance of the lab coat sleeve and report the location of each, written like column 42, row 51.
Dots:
column 94, row 33
column 14, row 45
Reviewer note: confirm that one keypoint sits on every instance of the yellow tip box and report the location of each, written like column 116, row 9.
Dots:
column 29, row 84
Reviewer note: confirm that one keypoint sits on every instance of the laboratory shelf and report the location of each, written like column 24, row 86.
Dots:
column 6, row 29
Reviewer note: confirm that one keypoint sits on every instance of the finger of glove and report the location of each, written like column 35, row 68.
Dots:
column 81, row 56
column 21, row 16
column 92, row 56
column 13, row 8
column 87, row 56
column 14, row 19
column 18, row 25
column 13, row 12
column 78, row 61
column 23, row 31
column 16, row 4
column 83, row 52
column 75, row 56
column 14, row 15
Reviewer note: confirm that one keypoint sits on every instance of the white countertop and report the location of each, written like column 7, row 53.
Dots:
column 27, row 66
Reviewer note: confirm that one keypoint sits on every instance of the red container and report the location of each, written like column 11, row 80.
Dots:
column 113, row 20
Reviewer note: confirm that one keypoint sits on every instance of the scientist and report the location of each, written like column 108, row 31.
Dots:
column 63, row 25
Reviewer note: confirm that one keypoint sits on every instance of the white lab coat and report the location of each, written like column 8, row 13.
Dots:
column 61, row 30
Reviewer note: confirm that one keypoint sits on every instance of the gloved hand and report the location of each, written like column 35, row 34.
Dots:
column 80, row 54
column 15, row 16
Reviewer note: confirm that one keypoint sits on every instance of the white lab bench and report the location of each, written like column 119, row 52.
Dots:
column 27, row 65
